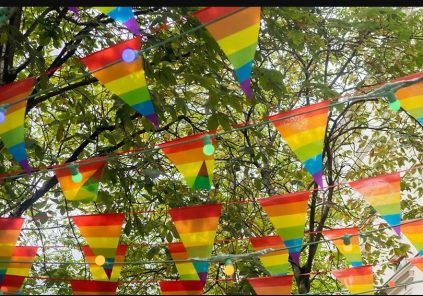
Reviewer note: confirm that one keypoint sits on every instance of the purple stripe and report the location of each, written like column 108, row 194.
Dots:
column 318, row 178
column 25, row 165
column 132, row 25
column 245, row 85
column 153, row 119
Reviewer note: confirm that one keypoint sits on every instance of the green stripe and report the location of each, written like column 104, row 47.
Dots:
column 388, row 209
column 417, row 112
column 278, row 269
column 202, row 182
column 200, row 251
column 189, row 277
column 308, row 151
column 243, row 56
column 353, row 257
column 136, row 96
column 294, row 232
column 106, row 252
column 93, row 187
column 13, row 137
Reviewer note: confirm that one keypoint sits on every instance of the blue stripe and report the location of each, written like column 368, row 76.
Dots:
column 420, row 120
column 357, row 263
column 244, row 72
column 18, row 151
column 121, row 13
column 394, row 219
column 314, row 164
column 421, row 252
column 145, row 108
column 294, row 242
column 201, row 266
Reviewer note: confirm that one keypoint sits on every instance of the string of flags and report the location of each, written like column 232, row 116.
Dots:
column 120, row 69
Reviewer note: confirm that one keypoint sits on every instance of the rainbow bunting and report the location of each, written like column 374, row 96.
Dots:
column 17, row 272
column 196, row 226
column 276, row 263
column 236, row 30
column 98, row 272
column 417, row 262
column 304, row 131
column 186, row 269
column 124, row 15
column 12, row 129
column 411, row 100
column 126, row 80
column 181, row 287
column 84, row 287
column 10, row 229
column 413, row 231
column 102, row 233
column 272, row 285
column 288, row 214
column 187, row 154
column 357, row 279
column 383, row 194
column 351, row 251
column 87, row 189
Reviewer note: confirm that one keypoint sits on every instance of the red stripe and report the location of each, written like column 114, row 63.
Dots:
column 353, row 271
column 389, row 178
column 93, row 286
column 195, row 212
column 11, row 223
column 169, row 286
column 111, row 54
column 99, row 219
column 210, row 13
column 64, row 170
column 25, row 251
column 285, row 198
column 180, row 144
column 309, row 109
column 176, row 248
column 266, row 241
column 340, row 232
column 12, row 281
column 278, row 280
column 13, row 89
column 121, row 250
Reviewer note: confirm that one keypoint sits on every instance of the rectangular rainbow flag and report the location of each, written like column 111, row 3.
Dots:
column 181, row 287
column 272, row 285
column 357, row 279
column 102, row 233
column 288, row 214
column 304, row 131
column 186, row 269
column 10, row 229
column 352, row 251
column 187, row 155
column 124, row 15
column 411, row 100
column 236, row 30
column 196, row 226
column 417, row 262
column 276, row 263
column 413, row 231
column 98, row 272
column 383, row 194
column 85, row 287
column 126, row 80
column 12, row 129
column 87, row 189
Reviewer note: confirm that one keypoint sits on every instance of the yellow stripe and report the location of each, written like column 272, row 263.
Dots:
column 288, row 220
column 186, row 268
column 98, row 273
column 304, row 138
column 18, row 271
column 198, row 238
column 414, row 237
column 274, row 260
column 190, row 169
column 105, row 10
column 102, row 242
column 383, row 199
column 240, row 40
column 412, row 102
column 13, row 120
column 361, row 288
column 127, row 83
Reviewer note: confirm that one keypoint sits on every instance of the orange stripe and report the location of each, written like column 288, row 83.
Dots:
column 118, row 70
column 302, row 124
column 197, row 225
column 286, row 209
column 101, row 231
column 410, row 91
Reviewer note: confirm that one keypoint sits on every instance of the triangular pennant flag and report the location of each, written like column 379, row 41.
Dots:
column 10, row 229
column 110, row 272
column 102, row 233
column 351, row 250
column 272, row 285
column 236, row 30
column 87, row 189
column 12, row 284
column 413, row 231
column 383, row 194
column 417, row 262
column 276, row 263
column 126, row 80
column 357, row 279
column 304, row 131
column 181, row 287
column 288, row 214
column 12, row 128
column 188, row 157
column 124, row 15
column 411, row 100
column 196, row 226
column 186, row 269
column 84, row 287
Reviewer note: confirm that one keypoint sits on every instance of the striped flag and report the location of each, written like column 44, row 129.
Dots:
column 85, row 287
column 411, row 99
column 186, row 269
column 181, row 287
column 272, row 285
column 10, row 229
column 357, row 279
column 276, row 263
column 352, row 250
